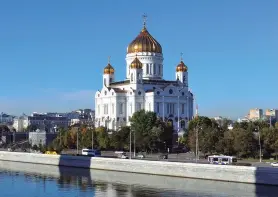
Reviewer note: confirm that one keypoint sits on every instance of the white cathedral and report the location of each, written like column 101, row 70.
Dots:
column 144, row 88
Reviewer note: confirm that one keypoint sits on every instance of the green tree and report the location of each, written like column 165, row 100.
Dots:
column 276, row 124
column 119, row 140
column 142, row 123
column 103, row 139
column 244, row 143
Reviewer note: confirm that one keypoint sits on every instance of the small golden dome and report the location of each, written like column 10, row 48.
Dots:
column 109, row 68
column 144, row 42
column 181, row 67
column 136, row 64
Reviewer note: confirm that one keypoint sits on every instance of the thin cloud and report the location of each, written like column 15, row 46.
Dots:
column 48, row 100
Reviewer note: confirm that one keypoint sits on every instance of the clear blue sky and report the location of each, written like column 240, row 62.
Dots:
column 52, row 53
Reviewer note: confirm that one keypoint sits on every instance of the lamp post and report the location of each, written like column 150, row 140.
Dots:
column 77, row 141
column 260, row 144
column 130, row 144
column 197, row 143
column 134, row 143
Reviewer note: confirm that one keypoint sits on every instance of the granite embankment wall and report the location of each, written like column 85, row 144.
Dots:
column 241, row 174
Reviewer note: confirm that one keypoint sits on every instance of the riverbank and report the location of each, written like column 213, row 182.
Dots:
column 241, row 174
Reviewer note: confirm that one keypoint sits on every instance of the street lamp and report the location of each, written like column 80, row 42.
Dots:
column 130, row 144
column 260, row 145
column 134, row 144
column 197, row 143
column 77, row 141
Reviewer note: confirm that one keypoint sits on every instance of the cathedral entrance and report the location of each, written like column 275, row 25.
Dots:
column 170, row 123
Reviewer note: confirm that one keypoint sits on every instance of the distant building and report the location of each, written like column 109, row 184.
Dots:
column 5, row 118
column 43, row 138
column 255, row 114
column 246, row 119
column 20, row 123
column 271, row 115
column 48, row 123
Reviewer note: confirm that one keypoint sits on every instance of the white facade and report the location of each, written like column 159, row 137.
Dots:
column 21, row 123
column 144, row 88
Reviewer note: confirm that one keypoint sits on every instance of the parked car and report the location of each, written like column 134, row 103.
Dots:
column 274, row 164
column 140, row 156
column 123, row 156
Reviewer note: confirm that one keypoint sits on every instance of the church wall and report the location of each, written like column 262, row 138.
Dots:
column 152, row 64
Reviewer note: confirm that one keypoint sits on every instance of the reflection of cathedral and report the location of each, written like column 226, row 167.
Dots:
column 144, row 88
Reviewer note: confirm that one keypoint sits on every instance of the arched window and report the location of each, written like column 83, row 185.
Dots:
column 147, row 70
column 131, row 76
column 104, row 81
column 182, row 124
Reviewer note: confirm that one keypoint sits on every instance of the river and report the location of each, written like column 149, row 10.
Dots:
column 34, row 180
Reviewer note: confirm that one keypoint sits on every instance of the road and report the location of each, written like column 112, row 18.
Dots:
column 182, row 157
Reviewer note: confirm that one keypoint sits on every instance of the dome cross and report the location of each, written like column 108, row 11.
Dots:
column 144, row 20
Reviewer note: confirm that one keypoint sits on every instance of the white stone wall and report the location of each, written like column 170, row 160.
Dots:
column 187, row 170
column 154, row 62
column 172, row 103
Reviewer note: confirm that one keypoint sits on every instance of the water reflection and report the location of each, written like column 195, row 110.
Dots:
column 18, row 179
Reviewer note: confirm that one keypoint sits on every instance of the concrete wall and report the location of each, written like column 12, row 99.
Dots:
column 187, row 170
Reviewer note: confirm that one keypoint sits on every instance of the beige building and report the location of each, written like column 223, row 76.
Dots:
column 271, row 112
column 255, row 114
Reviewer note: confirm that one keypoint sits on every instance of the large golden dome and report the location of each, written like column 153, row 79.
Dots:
column 136, row 64
column 181, row 67
column 144, row 42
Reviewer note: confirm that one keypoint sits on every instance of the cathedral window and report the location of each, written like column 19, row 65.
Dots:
column 151, row 67
column 139, row 93
column 121, row 108
column 147, row 69
column 154, row 69
column 104, row 81
column 131, row 76
column 159, row 69
column 170, row 91
column 170, row 108
column 182, row 108
column 157, row 107
column 105, row 93
column 105, row 108
column 110, row 80
column 138, row 106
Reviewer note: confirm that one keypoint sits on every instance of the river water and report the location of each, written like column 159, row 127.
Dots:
column 34, row 180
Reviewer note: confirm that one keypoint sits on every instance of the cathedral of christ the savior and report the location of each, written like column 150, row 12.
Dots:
column 144, row 88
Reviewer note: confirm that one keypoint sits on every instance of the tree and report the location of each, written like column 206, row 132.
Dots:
column 276, row 125
column 119, row 140
column 142, row 123
column 244, row 142
column 103, row 140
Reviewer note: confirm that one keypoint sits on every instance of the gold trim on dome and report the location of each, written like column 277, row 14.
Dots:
column 109, row 68
column 144, row 42
column 181, row 67
column 136, row 64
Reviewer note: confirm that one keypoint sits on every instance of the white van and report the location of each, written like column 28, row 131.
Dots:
column 91, row 152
